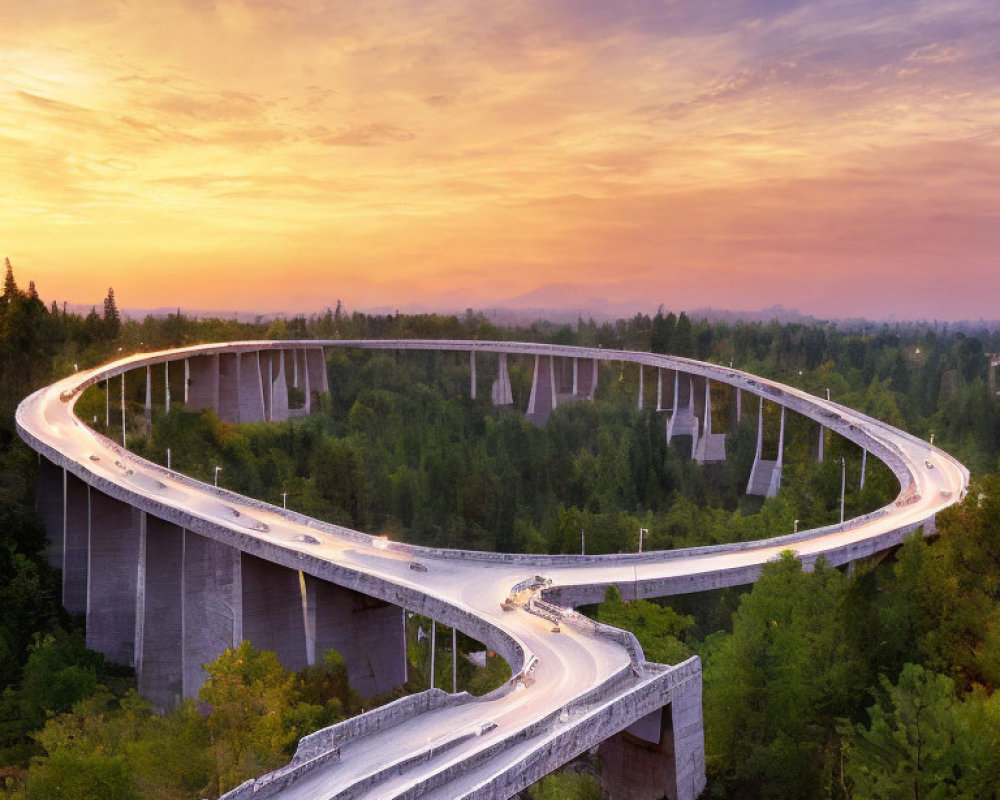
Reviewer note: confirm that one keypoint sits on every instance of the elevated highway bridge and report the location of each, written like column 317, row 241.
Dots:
column 171, row 571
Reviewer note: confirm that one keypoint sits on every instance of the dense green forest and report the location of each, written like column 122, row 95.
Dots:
column 881, row 685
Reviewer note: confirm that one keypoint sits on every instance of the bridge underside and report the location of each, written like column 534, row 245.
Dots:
column 168, row 601
column 644, row 761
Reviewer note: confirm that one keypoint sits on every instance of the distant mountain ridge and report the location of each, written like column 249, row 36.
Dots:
column 509, row 313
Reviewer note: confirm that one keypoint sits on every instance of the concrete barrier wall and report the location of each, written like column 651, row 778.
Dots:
column 324, row 745
column 565, row 740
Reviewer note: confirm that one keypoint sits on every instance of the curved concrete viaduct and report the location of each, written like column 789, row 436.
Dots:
column 171, row 572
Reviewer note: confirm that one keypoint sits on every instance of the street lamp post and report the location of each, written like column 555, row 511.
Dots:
column 218, row 469
column 284, row 499
column 843, row 486
column 168, row 458
column 642, row 532
column 583, row 542
column 795, row 526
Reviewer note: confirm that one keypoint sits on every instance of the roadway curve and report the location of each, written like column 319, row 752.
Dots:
column 562, row 682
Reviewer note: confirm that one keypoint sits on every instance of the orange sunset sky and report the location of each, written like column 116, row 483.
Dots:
column 838, row 157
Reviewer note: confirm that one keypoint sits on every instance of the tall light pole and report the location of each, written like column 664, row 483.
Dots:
column 583, row 542
column 642, row 532
column 284, row 499
column 218, row 469
column 433, row 648
column 795, row 526
column 168, row 458
column 827, row 392
column 123, row 408
column 843, row 486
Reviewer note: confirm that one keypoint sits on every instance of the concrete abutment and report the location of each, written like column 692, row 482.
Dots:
column 661, row 754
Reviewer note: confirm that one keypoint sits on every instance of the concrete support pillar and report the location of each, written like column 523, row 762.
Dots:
column 472, row 374
column 149, row 391
column 306, row 389
column 291, row 364
column 760, row 427
column 316, row 364
column 264, row 370
column 533, row 396
column 406, row 660
column 500, row 392
column 201, row 389
column 251, row 392
column 781, row 439
column 107, row 406
column 688, row 729
column 279, row 387
column 765, row 475
column 659, row 389
column 454, row 659
column 864, row 464
column 76, row 545
column 822, row 442
column 116, row 576
column 542, row 401
column 369, row 634
column 642, row 387
column 50, row 505
column 166, row 387
column 707, row 422
column 585, row 379
column 229, row 388
column 212, row 598
column 159, row 663
column 273, row 610
column 739, row 405
column 659, row 755
column 553, row 384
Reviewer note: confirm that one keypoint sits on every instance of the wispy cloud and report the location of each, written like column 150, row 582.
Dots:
column 705, row 153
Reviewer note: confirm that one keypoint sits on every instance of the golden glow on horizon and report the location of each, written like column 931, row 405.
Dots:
column 281, row 155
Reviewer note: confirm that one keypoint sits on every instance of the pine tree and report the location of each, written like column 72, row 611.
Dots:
column 112, row 320
column 9, row 286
